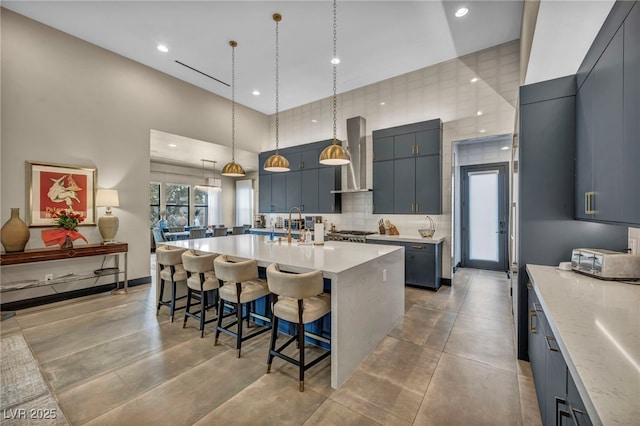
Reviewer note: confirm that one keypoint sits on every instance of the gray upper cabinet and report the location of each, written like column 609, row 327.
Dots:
column 383, row 193
column 307, row 185
column 631, row 107
column 407, row 169
column 607, row 180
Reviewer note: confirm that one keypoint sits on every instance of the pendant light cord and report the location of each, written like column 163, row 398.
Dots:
column 335, row 55
column 277, row 19
column 233, row 101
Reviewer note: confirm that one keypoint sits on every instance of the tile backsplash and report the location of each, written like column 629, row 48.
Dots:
column 634, row 240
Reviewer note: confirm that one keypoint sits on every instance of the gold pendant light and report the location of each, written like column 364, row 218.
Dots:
column 233, row 169
column 334, row 154
column 277, row 163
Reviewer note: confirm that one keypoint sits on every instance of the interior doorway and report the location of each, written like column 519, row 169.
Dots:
column 484, row 196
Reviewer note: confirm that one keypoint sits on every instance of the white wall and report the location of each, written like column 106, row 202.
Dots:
column 70, row 102
column 442, row 91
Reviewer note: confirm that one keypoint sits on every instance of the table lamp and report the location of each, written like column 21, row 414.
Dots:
column 108, row 224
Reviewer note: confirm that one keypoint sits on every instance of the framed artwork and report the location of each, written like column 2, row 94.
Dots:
column 55, row 187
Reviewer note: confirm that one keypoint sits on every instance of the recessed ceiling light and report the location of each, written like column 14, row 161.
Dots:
column 256, row 93
column 172, row 145
column 483, row 131
column 335, row 61
column 383, row 103
column 479, row 113
column 461, row 12
column 474, row 80
column 314, row 121
column 163, row 48
column 504, row 148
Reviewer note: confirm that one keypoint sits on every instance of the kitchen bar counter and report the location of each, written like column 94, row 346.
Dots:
column 367, row 287
column 406, row 238
column 597, row 327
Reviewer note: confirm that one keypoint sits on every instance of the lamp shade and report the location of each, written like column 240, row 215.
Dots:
column 276, row 163
column 107, row 198
column 334, row 155
column 233, row 169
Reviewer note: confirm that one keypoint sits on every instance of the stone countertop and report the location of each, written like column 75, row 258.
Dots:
column 597, row 326
column 333, row 257
column 276, row 231
column 406, row 238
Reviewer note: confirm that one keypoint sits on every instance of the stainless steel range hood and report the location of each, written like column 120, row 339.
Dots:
column 357, row 147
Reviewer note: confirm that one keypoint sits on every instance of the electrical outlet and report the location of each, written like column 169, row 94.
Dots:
column 48, row 277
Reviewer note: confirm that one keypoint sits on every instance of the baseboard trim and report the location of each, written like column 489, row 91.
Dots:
column 51, row 298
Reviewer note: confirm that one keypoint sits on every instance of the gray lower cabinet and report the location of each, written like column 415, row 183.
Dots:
column 558, row 397
column 422, row 263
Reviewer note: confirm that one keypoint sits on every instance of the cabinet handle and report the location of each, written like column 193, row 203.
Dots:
column 574, row 417
column 302, row 164
column 529, row 286
column 532, row 313
column 548, row 340
column 417, row 207
column 588, row 202
column 412, row 208
column 538, row 307
column 413, row 148
column 417, row 247
column 417, row 149
column 561, row 413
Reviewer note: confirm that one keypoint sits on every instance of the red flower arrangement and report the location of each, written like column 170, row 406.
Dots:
column 67, row 222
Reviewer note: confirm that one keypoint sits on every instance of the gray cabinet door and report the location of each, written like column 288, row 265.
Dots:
column 428, row 142
column 294, row 158
column 404, row 186
column 555, row 380
column 309, row 159
column 420, row 265
column 264, row 194
column 584, row 148
column 607, row 131
column 328, row 180
column 631, row 106
column 279, row 192
column 427, row 177
column 383, row 187
column 262, row 158
column 382, row 148
column 404, row 145
column 309, row 193
column 575, row 405
column 293, row 190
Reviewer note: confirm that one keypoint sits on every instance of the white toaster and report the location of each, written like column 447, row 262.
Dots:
column 606, row 264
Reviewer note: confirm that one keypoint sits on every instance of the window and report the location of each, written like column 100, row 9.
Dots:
column 201, row 207
column 154, row 204
column 244, row 202
column 177, row 197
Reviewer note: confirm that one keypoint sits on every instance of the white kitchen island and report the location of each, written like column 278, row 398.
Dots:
column 367, row 287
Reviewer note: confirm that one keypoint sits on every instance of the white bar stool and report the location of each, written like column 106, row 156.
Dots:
column 239, row 285
column 300, row 300
column 201, row 280
column 169, row 260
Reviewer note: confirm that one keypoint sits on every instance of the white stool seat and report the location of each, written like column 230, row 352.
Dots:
column 210, row 281
column 251, row 290
column 313, row 308
column 179, row 275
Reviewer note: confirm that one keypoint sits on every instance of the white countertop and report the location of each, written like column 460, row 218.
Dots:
column 406, row 238
column 597, row 326
column 333, row 257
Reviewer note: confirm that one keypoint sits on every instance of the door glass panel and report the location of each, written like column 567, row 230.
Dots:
column 483, row 215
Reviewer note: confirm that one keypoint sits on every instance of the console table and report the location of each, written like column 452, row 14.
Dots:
column 45, row 255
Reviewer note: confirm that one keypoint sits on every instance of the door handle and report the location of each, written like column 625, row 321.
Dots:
column 548, row 340
column 532, row 313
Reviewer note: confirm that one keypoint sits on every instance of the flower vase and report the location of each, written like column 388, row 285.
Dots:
column 68, row 243
column 15, row 233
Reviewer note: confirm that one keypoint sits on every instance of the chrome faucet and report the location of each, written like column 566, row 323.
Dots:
column 289, row 230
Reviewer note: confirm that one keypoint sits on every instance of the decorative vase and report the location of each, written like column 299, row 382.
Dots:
column 68, row 243
column 15, row 233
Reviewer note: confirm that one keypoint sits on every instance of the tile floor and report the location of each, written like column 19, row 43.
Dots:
column 110, row 360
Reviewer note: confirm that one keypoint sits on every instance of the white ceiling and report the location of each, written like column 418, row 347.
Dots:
column 376, row 40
